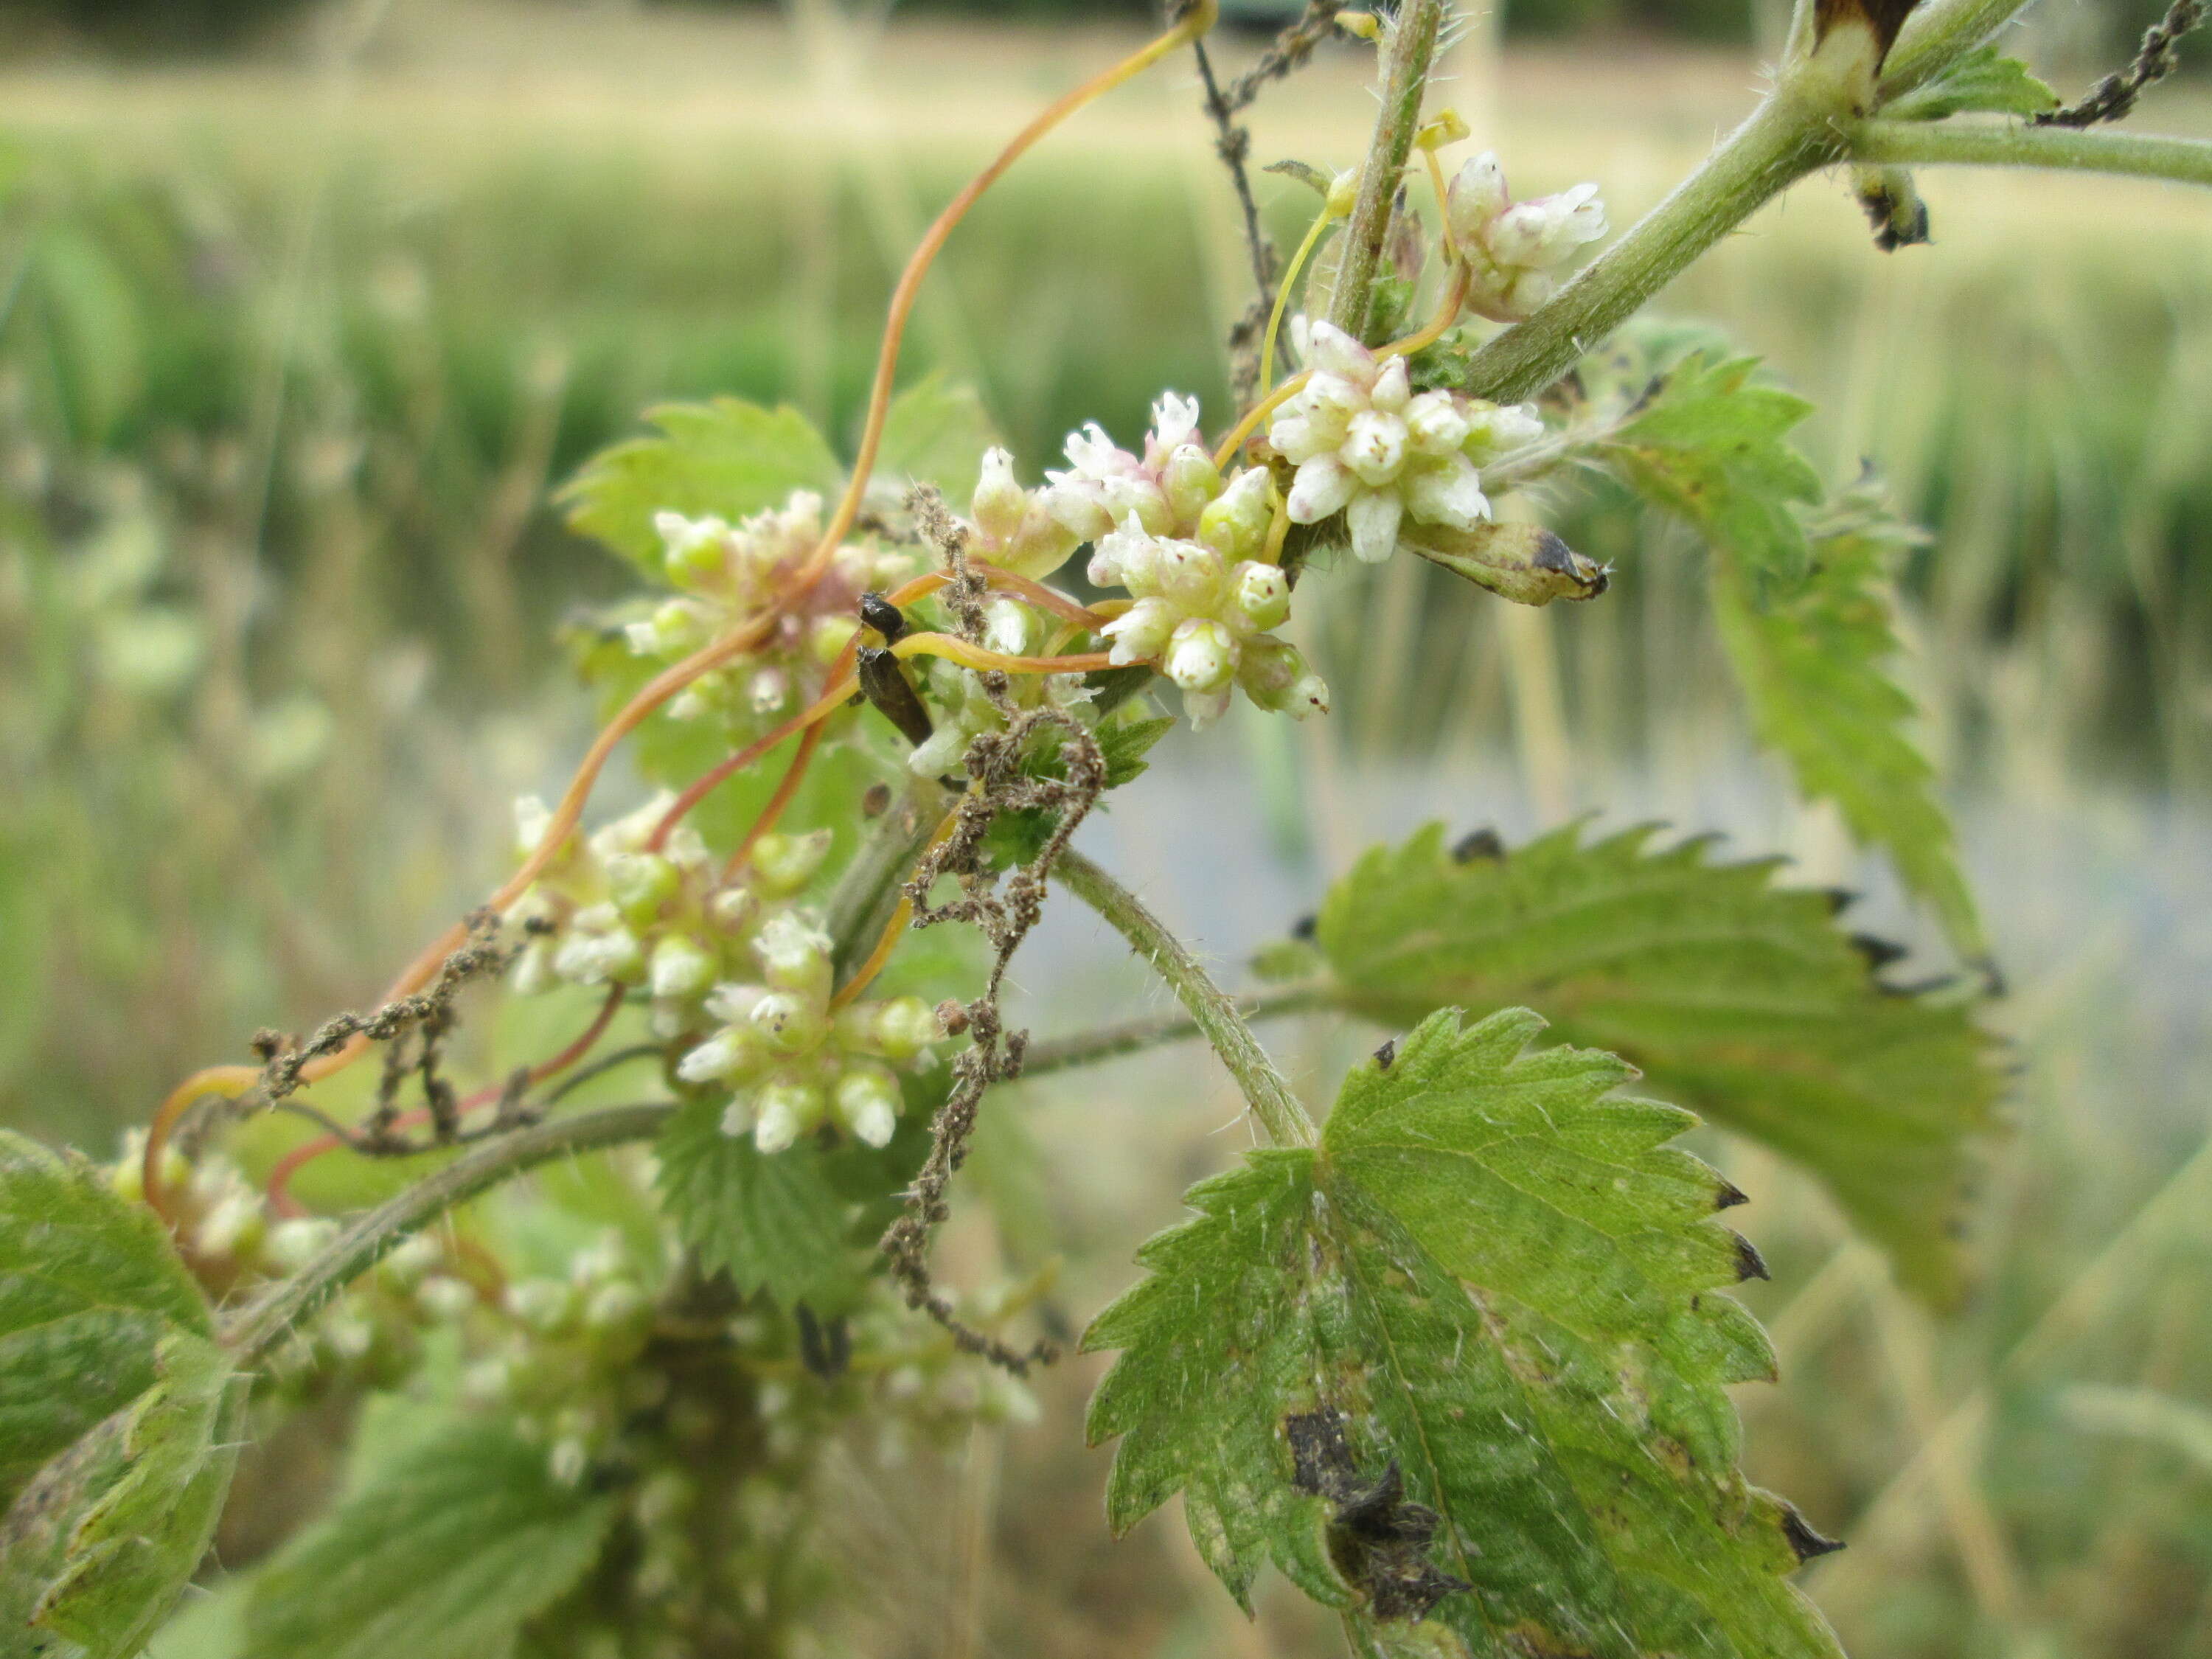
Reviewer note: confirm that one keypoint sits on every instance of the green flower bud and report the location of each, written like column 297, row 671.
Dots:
column 680, row 968
column 868, row 1103
column 781, row 865
column 640, row 883
column 789, row 1023
column 901, row 1028
column 1261, row 594
column 783, row 1109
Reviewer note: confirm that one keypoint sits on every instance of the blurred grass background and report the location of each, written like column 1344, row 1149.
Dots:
column 293, row 340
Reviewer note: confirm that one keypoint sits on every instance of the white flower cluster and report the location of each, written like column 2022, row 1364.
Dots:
column 1366, row 445
column 791, row 1063
column 735, row 968
column 1517, row 253
column 728, row 573
column 1167, row 489
column 1204, row 607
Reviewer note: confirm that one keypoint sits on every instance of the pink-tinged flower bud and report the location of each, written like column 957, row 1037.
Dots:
column 999, row 503
column 782, row 864
column 1270, row 667
column 1261, row 595
column 783, row 1109
column 868, row 1103
column 1476, row 197
column 1234, row 525
column 1201, row 656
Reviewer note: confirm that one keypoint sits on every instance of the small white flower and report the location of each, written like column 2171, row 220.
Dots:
column 1517, row 253
column 1201, row 656
column 1014, row 528
column 679, row 968
column 867, row 1103
column 1365, row 445
column 782, row 1110
column 1167, row 489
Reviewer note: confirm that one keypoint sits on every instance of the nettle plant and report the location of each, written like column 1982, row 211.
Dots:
column 1453, row 1359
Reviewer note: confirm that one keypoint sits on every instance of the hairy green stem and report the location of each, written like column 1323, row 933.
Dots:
column 1782, row 141
column 1111, row 1042
column 867, row 894
column 260, row 1325
column 1410, row 49
column 1211, row 1009
column 1916, row 143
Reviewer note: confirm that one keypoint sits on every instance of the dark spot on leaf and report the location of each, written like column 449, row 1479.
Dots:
column 1839, row 899
column 1729, row 1196
column 877, row 801
column 1806, row 1544
column 1306, row 926
column 1387, row 1052
column 1879, row 952
column 1483, row 843
column 1993, row 979
column 1749, row 1264
column 1376, row 1538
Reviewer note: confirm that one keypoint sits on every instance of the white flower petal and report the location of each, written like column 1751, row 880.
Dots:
column 1375, row 448
column 1392, row 387
column 1449, row 492
column 1331, row 351
column 1374, row 516
column 1324, row 484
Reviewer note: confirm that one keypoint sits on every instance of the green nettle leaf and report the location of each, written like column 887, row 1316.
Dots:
column 772, row 1222
column 1711, row 445
column 728, row 457
column 88, row 1286
column 1742, row 1001
column 1807, row 629
column 798, row 1224
column 1984, row 79
column 1813, row 667
column 935, row 432
column 1460, row 1369
column 96, row 1549
column 444, row 1555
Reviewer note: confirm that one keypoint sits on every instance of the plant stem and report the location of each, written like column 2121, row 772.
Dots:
column 1915, row 143
column 1211, row 1009
column 1937, row 34
column 261, row 1325
column 1132, row 1037
column 1412, row 47
column 1782, row 141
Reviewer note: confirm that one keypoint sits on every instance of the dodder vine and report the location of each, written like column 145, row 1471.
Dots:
column 1453, row 1358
